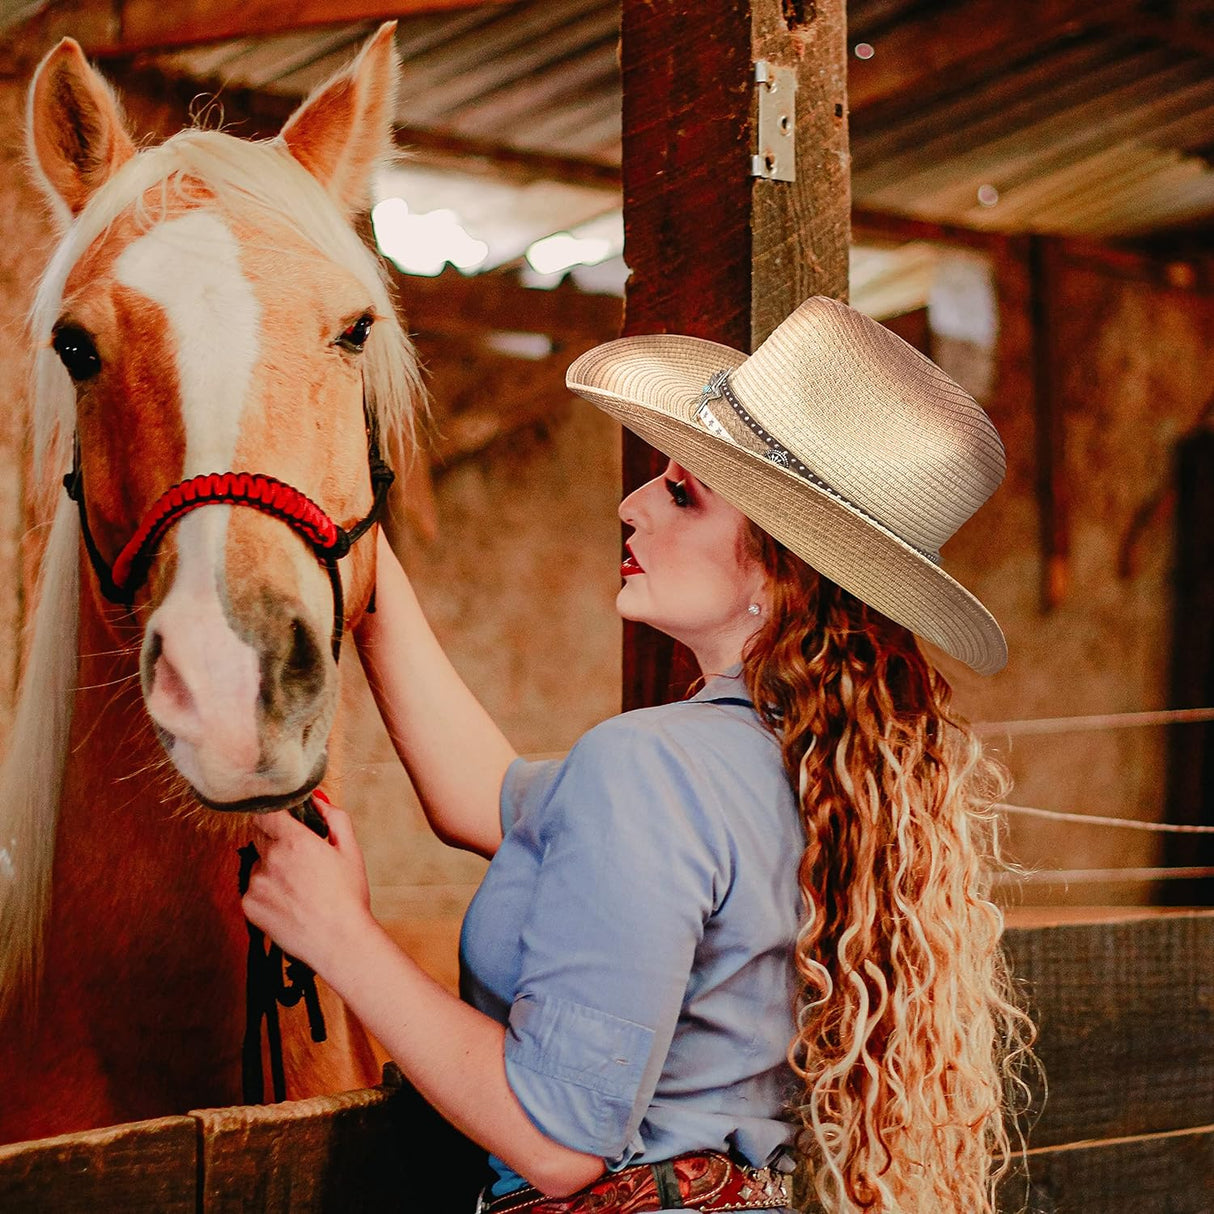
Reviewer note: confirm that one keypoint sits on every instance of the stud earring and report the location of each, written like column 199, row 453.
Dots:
column 754, row 609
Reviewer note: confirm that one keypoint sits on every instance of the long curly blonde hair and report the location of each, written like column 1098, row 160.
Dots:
column 909, row 1042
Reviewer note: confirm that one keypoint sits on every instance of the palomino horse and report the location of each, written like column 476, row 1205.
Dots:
column 209, row 309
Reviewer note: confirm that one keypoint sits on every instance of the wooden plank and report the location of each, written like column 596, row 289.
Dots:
column 143, row 1166
column 146, row 25
column 352, row 1152
column 1190, row 788
column 715, row 252
column 922, row 133
column 262, row 114
column 1049, row 361
column 1150, row 1174
column 455, row 304
column 942, row 49
column 1126, row 1018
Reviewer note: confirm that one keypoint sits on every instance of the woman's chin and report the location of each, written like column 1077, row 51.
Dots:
column 628, row 605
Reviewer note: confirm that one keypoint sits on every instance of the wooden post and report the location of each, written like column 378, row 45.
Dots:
column 714, row 251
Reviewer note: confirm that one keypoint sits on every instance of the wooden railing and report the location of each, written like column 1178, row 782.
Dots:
column 1126, row 1014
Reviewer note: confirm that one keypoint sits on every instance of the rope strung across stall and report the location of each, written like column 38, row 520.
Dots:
column 1099, row 721
column 1173, row 828
column 1102, row 876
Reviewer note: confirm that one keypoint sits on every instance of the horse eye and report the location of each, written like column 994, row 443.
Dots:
column 355, row 337
column 77, row 352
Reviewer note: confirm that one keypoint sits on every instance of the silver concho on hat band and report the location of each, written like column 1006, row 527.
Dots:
column 719, row 388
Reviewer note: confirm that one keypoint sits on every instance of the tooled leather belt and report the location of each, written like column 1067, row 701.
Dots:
column 703, row 1180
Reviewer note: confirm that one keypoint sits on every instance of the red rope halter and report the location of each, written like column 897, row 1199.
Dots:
column 327, row 539
column 264, row 493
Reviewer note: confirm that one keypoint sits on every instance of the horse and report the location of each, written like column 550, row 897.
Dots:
column 209, row 308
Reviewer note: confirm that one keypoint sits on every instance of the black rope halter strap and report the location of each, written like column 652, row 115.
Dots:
column 266, row 986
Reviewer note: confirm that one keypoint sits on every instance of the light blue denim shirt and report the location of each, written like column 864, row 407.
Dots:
column 635, row 932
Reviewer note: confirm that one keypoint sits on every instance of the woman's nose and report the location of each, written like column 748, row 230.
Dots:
column 635, row 502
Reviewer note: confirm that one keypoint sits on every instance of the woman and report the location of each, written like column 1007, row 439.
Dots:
column 788, row 868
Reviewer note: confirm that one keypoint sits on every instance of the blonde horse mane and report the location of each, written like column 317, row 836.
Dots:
column 245, row 179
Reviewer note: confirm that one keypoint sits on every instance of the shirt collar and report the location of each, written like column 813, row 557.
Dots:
column 728, row 685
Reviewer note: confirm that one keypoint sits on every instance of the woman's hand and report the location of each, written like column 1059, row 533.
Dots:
column 309, row 894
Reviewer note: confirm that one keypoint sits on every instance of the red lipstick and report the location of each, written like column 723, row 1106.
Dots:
column 630, row 565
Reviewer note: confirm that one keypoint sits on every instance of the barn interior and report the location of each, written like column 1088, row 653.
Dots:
column 1030, row 195
column 1031, row 204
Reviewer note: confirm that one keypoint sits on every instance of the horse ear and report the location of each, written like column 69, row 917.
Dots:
column 76, row 134
column 343, row 131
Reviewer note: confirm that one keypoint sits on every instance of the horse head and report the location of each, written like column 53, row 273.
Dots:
column 211, row 311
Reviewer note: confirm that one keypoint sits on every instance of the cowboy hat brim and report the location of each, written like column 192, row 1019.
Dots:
column 652, row 384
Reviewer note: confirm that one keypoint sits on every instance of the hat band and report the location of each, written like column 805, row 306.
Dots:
column 719, row 388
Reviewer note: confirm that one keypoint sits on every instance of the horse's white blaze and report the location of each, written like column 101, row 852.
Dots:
column 190, row 266
column 207, row 679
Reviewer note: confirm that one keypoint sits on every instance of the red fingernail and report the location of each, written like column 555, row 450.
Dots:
column 319, row 794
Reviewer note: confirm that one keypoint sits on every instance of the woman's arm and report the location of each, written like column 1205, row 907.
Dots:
column 454, row 753
column 310, row 895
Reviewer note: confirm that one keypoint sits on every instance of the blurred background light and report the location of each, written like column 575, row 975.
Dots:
column 424, row 244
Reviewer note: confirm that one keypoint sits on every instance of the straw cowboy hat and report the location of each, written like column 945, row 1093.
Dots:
column 838, row 439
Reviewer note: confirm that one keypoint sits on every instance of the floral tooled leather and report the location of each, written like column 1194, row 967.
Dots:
column 707, row 1181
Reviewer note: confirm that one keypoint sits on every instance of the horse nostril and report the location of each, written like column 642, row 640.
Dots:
column 302, row 669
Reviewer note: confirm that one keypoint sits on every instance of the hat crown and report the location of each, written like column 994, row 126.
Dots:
column 891, row 434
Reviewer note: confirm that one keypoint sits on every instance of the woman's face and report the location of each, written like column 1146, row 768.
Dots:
column 690, row 571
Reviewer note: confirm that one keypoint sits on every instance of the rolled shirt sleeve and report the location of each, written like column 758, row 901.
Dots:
column 634, row 862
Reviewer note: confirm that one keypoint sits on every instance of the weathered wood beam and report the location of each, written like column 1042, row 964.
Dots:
column 261, row 114
column 452, row 303
column 1126, row 1029
column 884, row 227
column 523, row 164
column 153, row 25
column 1049, row 362
column 143, row 1165
column 715, row 252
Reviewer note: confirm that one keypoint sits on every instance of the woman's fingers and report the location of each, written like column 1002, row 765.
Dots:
column 278, row 825
column 341, row 829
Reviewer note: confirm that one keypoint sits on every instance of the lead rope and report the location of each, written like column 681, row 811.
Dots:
column 266, row 987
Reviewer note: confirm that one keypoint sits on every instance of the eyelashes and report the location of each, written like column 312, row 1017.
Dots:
column 678, row 492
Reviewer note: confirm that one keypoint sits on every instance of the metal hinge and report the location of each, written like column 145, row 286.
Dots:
column 776, row 158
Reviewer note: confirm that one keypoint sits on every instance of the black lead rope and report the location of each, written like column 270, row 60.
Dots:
column 267, row 987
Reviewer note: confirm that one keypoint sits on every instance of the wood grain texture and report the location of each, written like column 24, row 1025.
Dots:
column 1151, row 1174
column 145, row 1166
column 145, row 25
column 715, row 253
column 965, row 43
column 801, row 230
column 1126, row 1018
column 352, row 1152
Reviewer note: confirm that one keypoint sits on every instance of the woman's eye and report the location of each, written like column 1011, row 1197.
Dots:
column 355, row 337
column 76, row 351
column 678, row 491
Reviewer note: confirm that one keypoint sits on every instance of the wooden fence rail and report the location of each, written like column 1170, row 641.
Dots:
column 1125, row 1009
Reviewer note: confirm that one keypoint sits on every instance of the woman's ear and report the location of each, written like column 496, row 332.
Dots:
column 343, row 131
column 76, row 136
